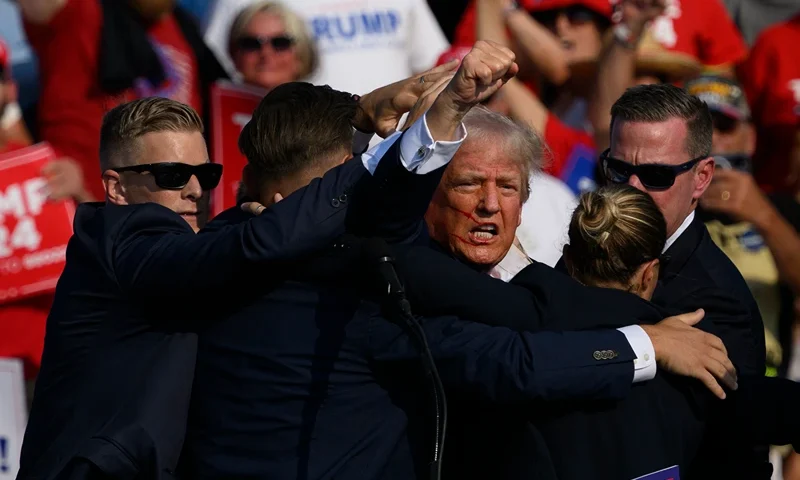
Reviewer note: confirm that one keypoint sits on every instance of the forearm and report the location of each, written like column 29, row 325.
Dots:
column 783, row 242
column 615, row 73
column 155, row 251
column 541, row 47
column 525, row 106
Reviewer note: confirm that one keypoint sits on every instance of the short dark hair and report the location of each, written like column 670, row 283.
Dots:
column 297, row 125
column 661, row 102
column 125, row 123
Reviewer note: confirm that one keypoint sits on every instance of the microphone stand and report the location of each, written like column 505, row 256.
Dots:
column 403, row 311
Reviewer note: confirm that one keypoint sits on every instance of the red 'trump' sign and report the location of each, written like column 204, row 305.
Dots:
column 231, row 108
column 33, row 231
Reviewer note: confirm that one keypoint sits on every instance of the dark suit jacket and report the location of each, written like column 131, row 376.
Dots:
column 308, row 381
column 697, row 274
column 658, row 425
column 120, row 349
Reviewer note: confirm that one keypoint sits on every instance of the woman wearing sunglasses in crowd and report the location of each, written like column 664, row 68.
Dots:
column 270, row 45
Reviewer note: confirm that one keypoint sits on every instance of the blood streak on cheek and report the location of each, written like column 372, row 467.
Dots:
column 471, row 217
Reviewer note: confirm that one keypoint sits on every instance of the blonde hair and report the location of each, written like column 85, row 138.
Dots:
column 295, row 27
column 126, row 123
column 613, row 232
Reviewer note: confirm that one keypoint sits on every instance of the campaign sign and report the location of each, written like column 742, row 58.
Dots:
column 670, row 473
column 12, row 416
column 231, row 108
column 33, row 231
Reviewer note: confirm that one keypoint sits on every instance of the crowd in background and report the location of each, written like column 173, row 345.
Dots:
column 64, row 63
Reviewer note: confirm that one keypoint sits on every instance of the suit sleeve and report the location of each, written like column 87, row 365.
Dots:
column 458, row 290
column 506, row 366
column 153, row 251
column 728, row 319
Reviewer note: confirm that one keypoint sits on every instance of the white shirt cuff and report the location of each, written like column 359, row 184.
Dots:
column 418, row 151
column 11, row 115
column 644, row 367
column 361, row 141
column 421, row 154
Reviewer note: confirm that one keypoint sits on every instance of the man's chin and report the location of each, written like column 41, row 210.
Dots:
column 482, row 259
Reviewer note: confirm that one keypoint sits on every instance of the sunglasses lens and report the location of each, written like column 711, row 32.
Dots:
column 249, row 44
column 281, row 43
column 579, row 15
column 616, row 171
column 172, row 176
column 656, row 176
column 723, row 123
column 208, row 175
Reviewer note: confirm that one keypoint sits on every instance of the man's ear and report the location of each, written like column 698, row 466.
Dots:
column 115, row 190
column 702, row 177
column 648, row 278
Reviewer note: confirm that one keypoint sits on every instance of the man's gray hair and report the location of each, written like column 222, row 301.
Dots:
column 522, row 143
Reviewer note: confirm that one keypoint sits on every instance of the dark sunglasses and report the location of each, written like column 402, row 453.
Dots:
column 175, row 176
column 723, row 123
column 576, row 14
column 278, row 43
column 653, row 176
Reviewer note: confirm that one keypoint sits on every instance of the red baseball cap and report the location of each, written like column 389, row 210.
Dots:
column 603, row 7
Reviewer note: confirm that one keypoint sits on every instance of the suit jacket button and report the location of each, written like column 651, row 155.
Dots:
column 598, row 355
column 343, row 198
column 335, row 202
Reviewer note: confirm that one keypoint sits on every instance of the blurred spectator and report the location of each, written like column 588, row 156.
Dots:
column 753, row 16
column 362, row 45
column 771, row 80
column 21, row 322
column 13, row 134
column 270, row 45
column 700, row 28
column 94, row 55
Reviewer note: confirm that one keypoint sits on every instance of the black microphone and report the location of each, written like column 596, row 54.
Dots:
column 377, row 251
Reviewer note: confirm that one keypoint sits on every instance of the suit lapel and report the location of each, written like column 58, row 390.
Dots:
column 675, row 258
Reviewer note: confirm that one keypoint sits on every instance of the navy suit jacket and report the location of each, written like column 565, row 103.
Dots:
column 697, row 274
column 660, row 424
column 309, row 381
column 120, row 346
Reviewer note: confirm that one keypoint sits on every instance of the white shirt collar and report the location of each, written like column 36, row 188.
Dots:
column 515, row 260
column 686, row 222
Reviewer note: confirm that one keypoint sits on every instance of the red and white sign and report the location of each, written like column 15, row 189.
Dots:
column 231, row 108
column 33, row 231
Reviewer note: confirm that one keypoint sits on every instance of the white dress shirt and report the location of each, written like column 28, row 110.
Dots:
column 419, row 153
column 686, row 222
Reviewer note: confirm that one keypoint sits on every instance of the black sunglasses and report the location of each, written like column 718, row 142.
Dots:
column 278, row 43
column 576, row 14
column 175, row 176
column 723, row 123
column 653, row 176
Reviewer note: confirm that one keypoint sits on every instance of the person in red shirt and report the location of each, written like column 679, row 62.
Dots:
column 96, row 54
column 21, row 322
column 13, row 133
column 771, row 80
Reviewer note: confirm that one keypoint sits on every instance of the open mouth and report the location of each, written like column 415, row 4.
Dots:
column 485, row 233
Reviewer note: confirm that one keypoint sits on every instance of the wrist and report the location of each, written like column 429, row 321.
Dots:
column 510, row 8
column 627, row 36
column 361, row 120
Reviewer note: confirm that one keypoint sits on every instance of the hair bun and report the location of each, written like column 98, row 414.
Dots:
column 598, row 216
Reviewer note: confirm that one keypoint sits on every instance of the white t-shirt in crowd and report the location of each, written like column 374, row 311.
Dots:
column 545, row 219
column 363, row 44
